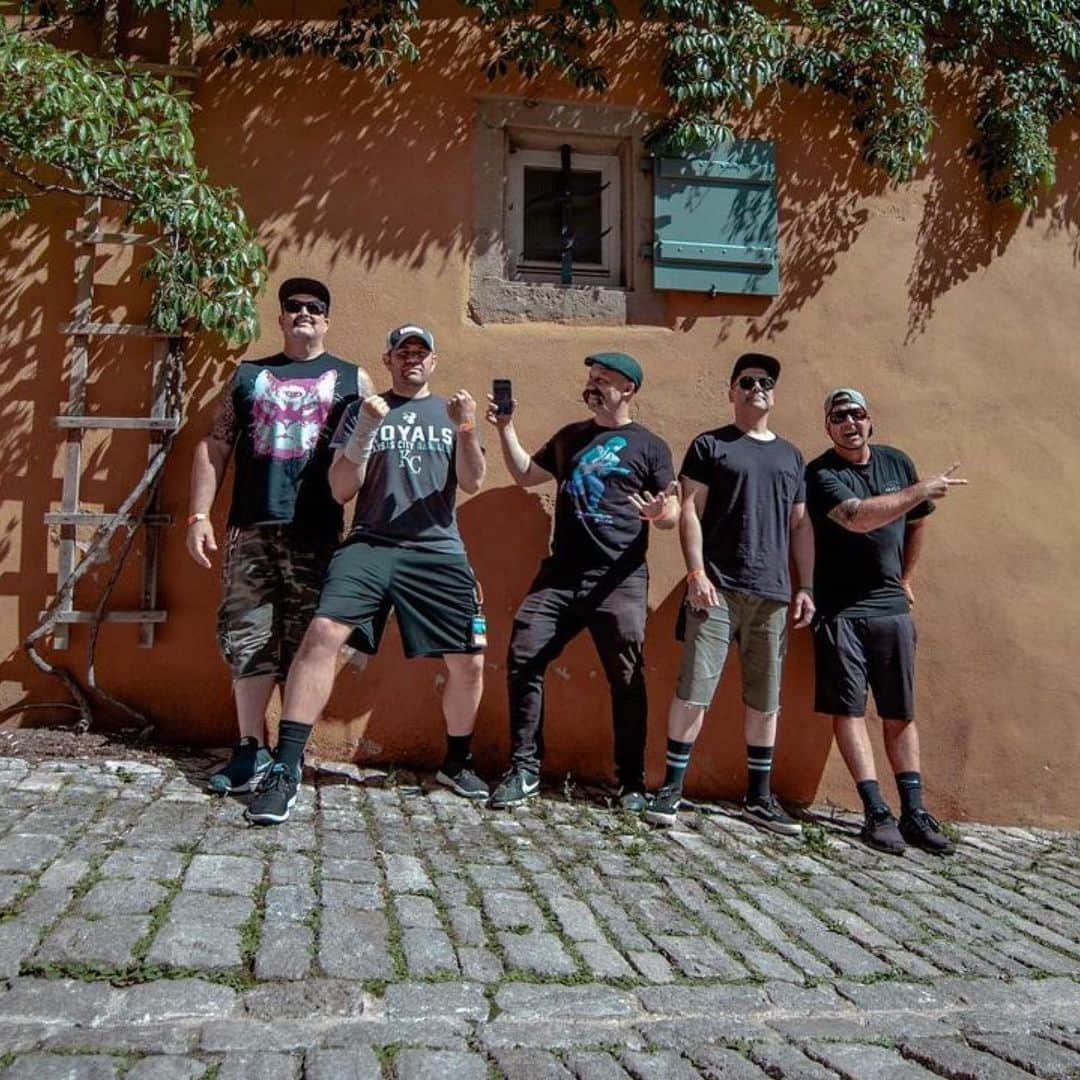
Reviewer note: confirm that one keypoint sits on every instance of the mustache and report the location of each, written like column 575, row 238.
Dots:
column 588, row 394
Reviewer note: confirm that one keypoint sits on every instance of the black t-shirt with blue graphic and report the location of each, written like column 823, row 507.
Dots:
column 857, row 575
column 411, row 483
column 597, row 469
column 279, row 418
column 746, row 526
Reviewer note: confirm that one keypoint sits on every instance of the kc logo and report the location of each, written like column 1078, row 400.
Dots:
column 409, row 418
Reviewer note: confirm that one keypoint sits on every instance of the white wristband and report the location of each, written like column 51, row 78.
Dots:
column 358, row 448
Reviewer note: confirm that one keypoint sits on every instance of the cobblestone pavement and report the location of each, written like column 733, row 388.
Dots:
column 398, row 931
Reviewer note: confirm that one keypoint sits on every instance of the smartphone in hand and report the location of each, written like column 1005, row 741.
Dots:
column 502, row 392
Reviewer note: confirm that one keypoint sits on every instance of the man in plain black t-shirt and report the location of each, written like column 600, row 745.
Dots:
column 868, row 508
column 743, row 508
column 614, row 479
column 274, row 419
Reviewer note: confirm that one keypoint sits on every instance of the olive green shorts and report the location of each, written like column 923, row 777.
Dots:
column 757, row 625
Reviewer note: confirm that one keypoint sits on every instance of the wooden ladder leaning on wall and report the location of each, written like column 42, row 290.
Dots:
column 165, row 405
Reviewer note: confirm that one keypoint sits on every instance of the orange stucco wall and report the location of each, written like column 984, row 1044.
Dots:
column 958, row 319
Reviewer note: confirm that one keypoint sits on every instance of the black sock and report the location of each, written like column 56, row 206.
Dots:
column 457, row 750
column 870, row 793
column 758, row 771
column 246, row 749
column 292, row 737
column 678, row 761
column 909, row 784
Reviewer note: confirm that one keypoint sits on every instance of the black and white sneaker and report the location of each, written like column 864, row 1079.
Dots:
column 274, row 798
column 663, row 808
column 632, row 800
column 923, row 830
column 461, row 780
column 769, row 814
column 243, row 771
column 515, row 787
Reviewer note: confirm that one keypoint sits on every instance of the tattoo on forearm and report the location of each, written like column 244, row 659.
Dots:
column 223, row 428
column 844, row 513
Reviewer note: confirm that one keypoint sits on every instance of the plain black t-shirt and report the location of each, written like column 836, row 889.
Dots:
column 745, row 529
column 410, row 488
column 857, row 575
column 597, row 469
column 283, row 412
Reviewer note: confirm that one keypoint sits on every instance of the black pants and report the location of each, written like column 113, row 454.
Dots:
column 611, row 605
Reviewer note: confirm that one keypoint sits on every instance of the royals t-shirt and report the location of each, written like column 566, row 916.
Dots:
column 410, row 487
column 279, row 415
column 745, row 528
column 597, row 469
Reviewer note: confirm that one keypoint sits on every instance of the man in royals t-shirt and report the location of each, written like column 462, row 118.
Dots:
column 403, row 454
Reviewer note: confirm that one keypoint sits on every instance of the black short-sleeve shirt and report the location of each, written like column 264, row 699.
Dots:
column 597, row 469
column 281, row 413
column 857, row 575
column 753, row 486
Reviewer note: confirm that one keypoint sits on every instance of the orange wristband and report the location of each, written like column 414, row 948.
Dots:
column 469, row 425
column 696, row 573
column 197, row 517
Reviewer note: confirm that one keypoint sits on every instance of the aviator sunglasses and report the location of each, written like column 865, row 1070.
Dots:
column 748, row 382
column 312, row 307
column 840, row 415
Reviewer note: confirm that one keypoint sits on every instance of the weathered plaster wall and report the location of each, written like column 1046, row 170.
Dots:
column 958, row 319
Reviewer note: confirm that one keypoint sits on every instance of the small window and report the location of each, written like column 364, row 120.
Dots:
column 560, row 203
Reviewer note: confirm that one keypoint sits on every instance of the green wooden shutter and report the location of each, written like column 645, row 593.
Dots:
column 715, row 217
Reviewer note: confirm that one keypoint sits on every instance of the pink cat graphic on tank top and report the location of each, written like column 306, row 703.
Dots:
column 288, row 414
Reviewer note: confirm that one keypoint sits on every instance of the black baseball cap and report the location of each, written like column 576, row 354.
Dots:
column 620, row 362
column 769, row 364
column 294, row 285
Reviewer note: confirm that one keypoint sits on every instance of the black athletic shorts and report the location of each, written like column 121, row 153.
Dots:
column 851, row 653
column 433, row 595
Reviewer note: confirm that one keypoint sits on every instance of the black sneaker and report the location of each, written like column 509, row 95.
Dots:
column 769, row 814
column 461, row 780
column 663, row 806
column 632, row 800
column 515, row 787
column 243, row 771
column 921, row 829
column 879, row 831
column 274, row 798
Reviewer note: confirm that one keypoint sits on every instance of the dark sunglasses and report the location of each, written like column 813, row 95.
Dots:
column 748, row 382
column 312, row 307
column 838, row 417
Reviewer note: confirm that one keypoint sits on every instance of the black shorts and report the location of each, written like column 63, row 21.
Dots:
column 433, row 595
column 851, row 653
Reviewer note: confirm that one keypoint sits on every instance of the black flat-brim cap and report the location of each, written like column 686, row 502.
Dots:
column 769, row 364
column 620, row 362
column 295, row 285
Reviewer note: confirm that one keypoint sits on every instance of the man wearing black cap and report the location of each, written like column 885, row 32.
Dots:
column 277, row 414
column 402, row 454
column 743, row 507
column 869, row 507
column 614, row 479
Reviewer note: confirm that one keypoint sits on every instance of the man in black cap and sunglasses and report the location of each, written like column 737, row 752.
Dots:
column 277, row 415
column 868, row 507
column 743, row 508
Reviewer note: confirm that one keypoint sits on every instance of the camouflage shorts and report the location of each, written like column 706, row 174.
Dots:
column 270, row 586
